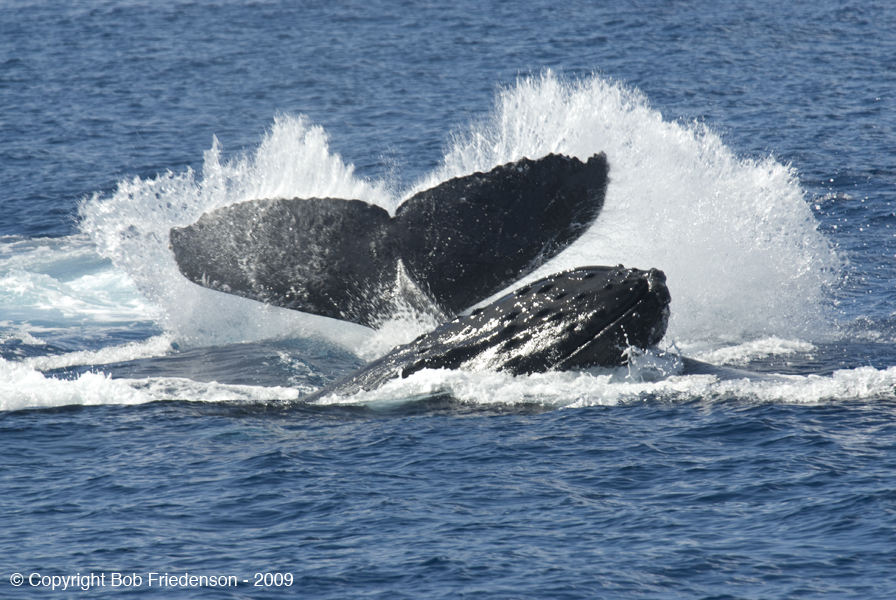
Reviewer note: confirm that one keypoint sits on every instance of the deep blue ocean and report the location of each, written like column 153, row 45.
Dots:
column 152, row 431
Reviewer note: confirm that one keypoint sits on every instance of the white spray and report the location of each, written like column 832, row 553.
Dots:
column 735, row 237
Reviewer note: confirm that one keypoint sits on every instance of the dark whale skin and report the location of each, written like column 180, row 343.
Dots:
column 457, row 243
column 580, row 318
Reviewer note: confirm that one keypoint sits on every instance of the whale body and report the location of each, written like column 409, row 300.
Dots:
column 445, row 249
column 581, row 318
column 452, row 245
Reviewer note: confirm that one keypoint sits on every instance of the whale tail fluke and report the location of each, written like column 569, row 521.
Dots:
column 459, row 242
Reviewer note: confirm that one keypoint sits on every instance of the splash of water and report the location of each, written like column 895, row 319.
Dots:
column 735, row 237
column 131, row 227
column 737, row 241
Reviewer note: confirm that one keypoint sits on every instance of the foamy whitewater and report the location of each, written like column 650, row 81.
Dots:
column 750, row 274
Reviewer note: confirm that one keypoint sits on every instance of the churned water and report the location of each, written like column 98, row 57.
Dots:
column 152, row 431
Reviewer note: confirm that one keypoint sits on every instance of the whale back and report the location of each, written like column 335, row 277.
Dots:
column 454, row 245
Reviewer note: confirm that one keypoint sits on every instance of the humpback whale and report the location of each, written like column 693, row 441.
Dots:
column 581, row 318
column 443, row 251
column 455, row 244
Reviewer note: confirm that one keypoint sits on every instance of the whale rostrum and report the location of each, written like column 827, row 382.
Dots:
column 581, row 318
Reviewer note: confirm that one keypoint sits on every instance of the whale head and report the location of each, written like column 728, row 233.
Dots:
column 581, row 318
column 586, row 317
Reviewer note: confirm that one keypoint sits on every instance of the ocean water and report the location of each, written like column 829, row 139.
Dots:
column 152, row 430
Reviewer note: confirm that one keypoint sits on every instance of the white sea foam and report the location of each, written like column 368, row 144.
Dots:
column 603, row 388
column 154, row 346
column 746, row 352
column 13, row 332
column 21, row 386
column 65, row 282
column 178, row 388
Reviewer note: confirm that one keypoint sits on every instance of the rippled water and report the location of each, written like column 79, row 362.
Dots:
column 149, row 425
